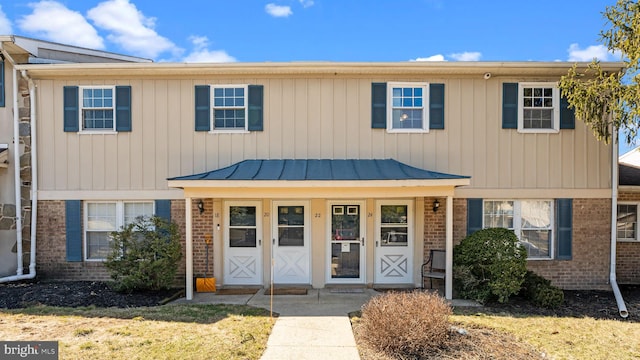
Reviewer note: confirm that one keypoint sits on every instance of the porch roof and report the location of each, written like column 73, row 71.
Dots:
column 320, row 169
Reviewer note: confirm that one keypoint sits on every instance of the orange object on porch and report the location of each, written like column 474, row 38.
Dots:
column 206, row 284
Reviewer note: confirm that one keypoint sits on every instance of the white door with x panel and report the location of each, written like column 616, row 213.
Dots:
column 290, row 242
column 394, row 242
column 243, row 243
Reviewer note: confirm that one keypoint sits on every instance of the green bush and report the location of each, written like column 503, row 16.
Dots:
column 144, row 255
column 489, row 264
column 540, row 291
column 405, row 325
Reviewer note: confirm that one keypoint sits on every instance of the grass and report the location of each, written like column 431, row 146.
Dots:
column 565, row 337
column 164, row 332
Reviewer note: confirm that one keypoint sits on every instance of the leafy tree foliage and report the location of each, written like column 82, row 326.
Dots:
column 603, row 98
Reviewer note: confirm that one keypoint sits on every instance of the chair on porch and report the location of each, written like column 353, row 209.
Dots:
column 435, row 266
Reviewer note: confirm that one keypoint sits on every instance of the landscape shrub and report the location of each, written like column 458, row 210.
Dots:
column 144, row 255
column 407, row 325
column 539, row 290
column 489, row 264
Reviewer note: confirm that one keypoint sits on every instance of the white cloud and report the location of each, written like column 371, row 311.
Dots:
column 593, row 51
column 438, row 57
column 466, row 56
column 306, row 3
column 130, row 28
column 5, row 24
column 201, row 53
column 51, row 20
column 277, row 10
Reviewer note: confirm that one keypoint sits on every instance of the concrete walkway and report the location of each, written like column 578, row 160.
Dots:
column 312, row 326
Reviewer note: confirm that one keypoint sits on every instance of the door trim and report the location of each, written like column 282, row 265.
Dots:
column 363, row 236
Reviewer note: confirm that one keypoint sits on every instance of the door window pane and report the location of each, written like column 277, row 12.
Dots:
column 393, row 225
column 242, row 237
column 345, row 260
column 345, row 222
column 290, row 225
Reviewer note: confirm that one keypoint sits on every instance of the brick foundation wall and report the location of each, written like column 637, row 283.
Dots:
column 589, row 267
column 627, row 252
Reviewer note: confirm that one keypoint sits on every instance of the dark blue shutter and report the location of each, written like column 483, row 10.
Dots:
column 203, row 108
column 567, row 116
column 163, row 209
column 474, row 215
column 436, row 106
column 123, row 108
column 510, row 105
column 71, row 115
column 255, row 101
column 564, row 220
column 378, row 105
column 2, row 83
column 73, row 221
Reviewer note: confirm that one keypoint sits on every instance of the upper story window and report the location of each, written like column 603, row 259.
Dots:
column 539, row 110
column 530, row 220
column 627, row 224
column 229, row 108
column 97, row 109
column 408, row 107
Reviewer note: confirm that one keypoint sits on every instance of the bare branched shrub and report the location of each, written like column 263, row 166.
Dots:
column 406, row 324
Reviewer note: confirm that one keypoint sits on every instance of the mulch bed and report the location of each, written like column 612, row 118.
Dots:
column 76, row 294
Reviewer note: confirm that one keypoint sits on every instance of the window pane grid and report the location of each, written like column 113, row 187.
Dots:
column 407, row 107
column 229, row 106
column 538, row 107
column 97, row 109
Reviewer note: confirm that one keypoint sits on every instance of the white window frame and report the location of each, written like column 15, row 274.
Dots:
column 636, row 239
column 213, row 109
column 425, row 106
column 82, row 108
column 556, row 107
column 120, row 221
column 517, row 223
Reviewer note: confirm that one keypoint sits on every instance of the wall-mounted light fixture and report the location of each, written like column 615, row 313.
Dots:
column 201, row 206
column 436, row 205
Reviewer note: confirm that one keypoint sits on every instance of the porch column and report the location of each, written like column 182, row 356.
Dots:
column 448, row 280
column 189, row 250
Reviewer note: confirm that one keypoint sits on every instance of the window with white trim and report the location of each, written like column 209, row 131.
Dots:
column 97, row 105
column 230, row 107
column 627, row 223
column 104, row 217
column 539, row 109
column 407, row 107
column 531, row 220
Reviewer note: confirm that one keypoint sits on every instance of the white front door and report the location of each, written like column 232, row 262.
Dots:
column 346, row 228
column 243, row 243
column 394, row 242
column 290, row 242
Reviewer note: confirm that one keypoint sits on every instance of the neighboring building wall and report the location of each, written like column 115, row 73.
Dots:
column 628, row 252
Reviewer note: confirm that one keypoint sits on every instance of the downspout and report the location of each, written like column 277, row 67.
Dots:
column 16, row 135
column 622, row 308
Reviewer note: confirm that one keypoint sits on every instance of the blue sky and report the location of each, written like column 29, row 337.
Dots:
column 319, row 30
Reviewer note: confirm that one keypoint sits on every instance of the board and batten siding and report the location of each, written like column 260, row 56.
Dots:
column 309, row 118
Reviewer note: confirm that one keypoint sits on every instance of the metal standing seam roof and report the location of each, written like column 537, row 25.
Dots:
column 320, row 169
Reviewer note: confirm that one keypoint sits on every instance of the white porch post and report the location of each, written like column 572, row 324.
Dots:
column 448, row 281
column 189, row 250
